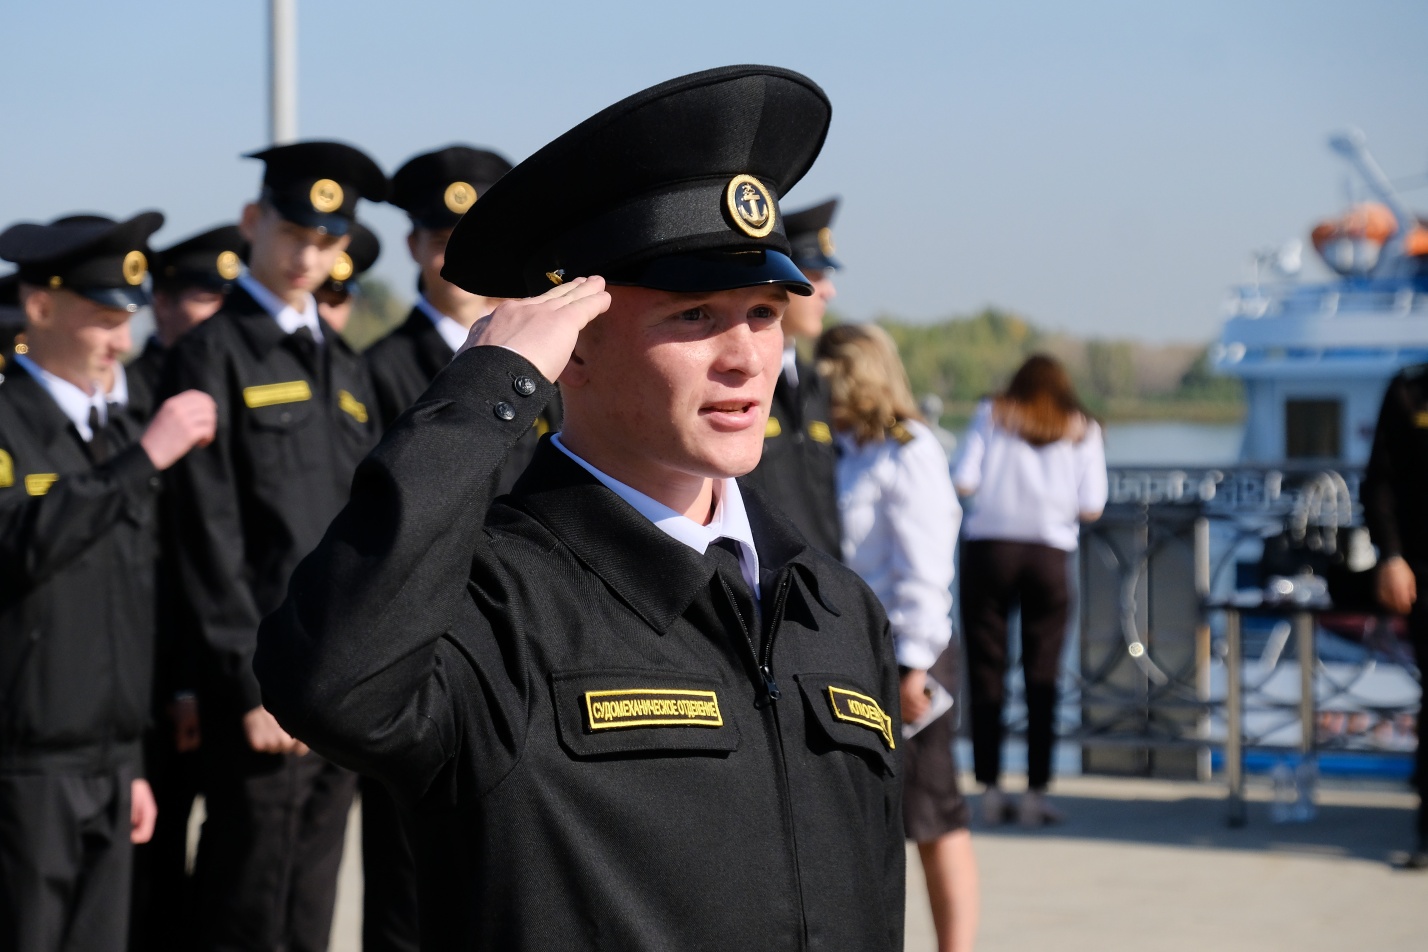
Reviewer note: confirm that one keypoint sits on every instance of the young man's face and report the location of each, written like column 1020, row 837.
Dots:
column 665, row 387
column 75, row 338
column 805, row 314
column 428, row 248
column 286, row 258
column 178, row 311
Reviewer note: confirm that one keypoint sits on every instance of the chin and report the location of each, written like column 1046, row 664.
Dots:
column 735, row 457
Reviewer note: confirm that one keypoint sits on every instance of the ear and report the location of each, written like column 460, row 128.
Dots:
column 575, row 374
column 412, row 241
column 39, row 305
column 248, row 221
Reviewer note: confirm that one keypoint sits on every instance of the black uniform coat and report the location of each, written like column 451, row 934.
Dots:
column 464, row 666
column 144, row 375
column 798, row 470
column 77, row 548
column 246, row 508
column 1395, row 487
column 405, row 362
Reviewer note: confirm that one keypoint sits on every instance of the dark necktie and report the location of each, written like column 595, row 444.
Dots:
column 98, row 444
column 724, row 555
column 304, row 345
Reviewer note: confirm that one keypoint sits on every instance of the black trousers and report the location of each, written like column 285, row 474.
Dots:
column 389, row 898
column 162, row 915
column 65, row 860
column 1418, row 631
column 998, row 576
column 270, row 849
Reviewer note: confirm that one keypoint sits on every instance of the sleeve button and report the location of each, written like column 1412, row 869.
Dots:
column 505, row 411
column 525, row 386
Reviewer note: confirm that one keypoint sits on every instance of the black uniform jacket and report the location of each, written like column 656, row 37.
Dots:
column 1395, row 487
column 144, row 375
column 798, row 470
column 567, row 700
column 245, row 509
column 405, row 362
column 77, row 549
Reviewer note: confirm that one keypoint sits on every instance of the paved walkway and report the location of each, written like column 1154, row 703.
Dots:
column 1150, row 866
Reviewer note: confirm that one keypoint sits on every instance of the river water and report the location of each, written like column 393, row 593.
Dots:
column 1173, row 444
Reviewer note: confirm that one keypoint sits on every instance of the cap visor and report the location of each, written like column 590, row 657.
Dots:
column 121, row 299
column 304, row 215
column 717, row 271
column 818, row 262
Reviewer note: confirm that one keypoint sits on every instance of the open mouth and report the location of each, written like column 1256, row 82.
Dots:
column 731, row 414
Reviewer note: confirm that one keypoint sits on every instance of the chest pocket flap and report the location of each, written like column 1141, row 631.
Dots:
column 850, row 717
column 631, row 711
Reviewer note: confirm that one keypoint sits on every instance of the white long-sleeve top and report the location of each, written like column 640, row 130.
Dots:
column 900, row 519
column 1028, row 493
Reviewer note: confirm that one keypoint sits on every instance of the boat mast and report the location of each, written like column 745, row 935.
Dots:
column 282, row 71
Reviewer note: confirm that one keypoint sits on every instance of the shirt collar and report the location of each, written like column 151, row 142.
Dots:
column 731, row 519
column 288, row 317
column 790, row 365
column 74, row 402
column 118, row 394
column 452, row 332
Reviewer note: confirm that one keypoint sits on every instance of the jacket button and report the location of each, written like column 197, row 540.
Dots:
column 525, row 386
column 505, row 411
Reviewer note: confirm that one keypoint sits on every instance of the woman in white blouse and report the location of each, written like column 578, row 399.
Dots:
column 1035, row 462
column 899, row 517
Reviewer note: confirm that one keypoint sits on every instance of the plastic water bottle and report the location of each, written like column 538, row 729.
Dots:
column 1281, row 808
column 1306, row 780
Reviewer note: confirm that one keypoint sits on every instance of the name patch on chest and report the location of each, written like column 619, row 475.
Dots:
column 7, row 470
column 855, row 708
column 652, row 707
column 772, row 428
column 37, row 484
column 271, row 394
column 351, row 406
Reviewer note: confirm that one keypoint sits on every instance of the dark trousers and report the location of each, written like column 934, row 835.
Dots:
column 65, row 860
column 1418, row 631
column 270, row 849
column 389, row 898
column 162, row 917
column 998, row 576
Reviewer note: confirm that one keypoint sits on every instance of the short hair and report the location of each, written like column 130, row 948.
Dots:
column 868, row 388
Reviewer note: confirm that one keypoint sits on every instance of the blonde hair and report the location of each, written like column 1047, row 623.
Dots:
column 868, row 386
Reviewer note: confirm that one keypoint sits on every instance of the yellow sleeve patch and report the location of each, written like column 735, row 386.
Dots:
column 772, row 428
column 37, row 484
column 7, row 470
column 541, row 425
column 270, row 394
column 855, row 708
column 818, row 431
column 1420, row 419
column 652, row 707
column 350, row 405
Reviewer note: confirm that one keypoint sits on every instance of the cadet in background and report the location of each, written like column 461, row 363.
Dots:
column 334, row 296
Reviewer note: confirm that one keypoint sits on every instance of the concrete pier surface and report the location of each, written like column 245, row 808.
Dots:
column 1150, row 866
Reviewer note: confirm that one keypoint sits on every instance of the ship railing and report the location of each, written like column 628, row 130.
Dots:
column 1399, row 297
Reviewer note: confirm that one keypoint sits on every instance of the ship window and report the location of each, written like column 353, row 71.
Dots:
column 1312, row 428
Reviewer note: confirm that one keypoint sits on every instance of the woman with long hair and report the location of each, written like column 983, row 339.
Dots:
column 899, row 516
column 1035, row 461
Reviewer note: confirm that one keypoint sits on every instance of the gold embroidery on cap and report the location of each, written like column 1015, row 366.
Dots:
column 772, row 428
column 228, row 265
column 342, row 268
column 353, row 407
column 7, row 470
column 326, row 195
column 819, row 432
column 269, row 394
column 750, row 206
column 56, row 281
column 652, row 707
column 459, row 197
column 825, row 240
column 557, row 276
column 862, row 710
column 37, row 484
column 135, row 267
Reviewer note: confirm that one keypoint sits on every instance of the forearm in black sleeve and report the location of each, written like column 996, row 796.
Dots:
column 355, row 662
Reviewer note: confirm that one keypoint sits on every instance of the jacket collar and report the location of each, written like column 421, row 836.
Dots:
column 35, row 407
column 433, row 353
column 262, row 333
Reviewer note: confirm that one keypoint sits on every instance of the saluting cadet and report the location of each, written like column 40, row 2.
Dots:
column 635, row 709
column 295, row 414
column 334, row 296
column 798, row 470
column 1396, row 511
column 77, row 491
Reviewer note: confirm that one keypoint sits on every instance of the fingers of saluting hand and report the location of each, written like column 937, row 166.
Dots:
column 543, row 329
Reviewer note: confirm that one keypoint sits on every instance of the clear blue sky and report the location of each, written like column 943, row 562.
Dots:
column 1101, row 167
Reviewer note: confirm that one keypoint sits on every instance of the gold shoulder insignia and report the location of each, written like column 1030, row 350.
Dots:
column 37, row 484
column 7, row 470
column 1420, row 419
column 900, row 433
column 269, row 394
column 772, row 428
column 353, row 407
column 652, row 707
column 855, row 708
column 818, row 432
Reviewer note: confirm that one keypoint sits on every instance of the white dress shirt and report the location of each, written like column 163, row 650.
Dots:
column 452, row 332
column 288, row 317
column 73, row 401
column 119, row 393
column 731, row 519
column 1028, row 493
column 900, row 519
column 790, row 365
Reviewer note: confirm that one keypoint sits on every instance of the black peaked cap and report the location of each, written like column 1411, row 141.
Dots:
column 810, row 234
column 11, row 314
column 318, row 184
column 437, row 188
column 361, row 254
column 103, row 259
column 211, row 260
column 691, row 169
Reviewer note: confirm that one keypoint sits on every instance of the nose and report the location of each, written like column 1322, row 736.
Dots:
column 825, row 288
column 739, row 351
column 122, row 340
